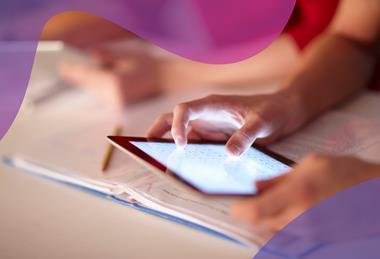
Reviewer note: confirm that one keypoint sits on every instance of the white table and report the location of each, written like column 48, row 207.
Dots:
column 40, row 219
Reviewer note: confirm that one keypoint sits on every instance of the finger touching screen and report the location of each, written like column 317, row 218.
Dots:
column 208, row 167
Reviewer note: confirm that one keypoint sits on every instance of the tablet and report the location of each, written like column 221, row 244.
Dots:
column 205, row 166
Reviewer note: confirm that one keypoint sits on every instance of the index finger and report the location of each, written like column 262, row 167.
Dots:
column 160, row 126
column 186, row 112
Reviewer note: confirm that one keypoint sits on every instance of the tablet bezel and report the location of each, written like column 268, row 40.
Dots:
column 123, row 143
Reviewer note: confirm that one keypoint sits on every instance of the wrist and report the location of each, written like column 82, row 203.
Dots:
column 178, row 74
column 327, row 75
column 294, row 109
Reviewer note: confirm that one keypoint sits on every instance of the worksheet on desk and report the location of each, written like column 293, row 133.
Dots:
column 353, row 129
column 76, row 144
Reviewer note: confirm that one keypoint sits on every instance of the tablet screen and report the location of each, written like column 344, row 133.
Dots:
column 209, row 168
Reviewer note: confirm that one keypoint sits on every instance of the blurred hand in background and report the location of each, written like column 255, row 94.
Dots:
column 117, row 78
column 122, row 75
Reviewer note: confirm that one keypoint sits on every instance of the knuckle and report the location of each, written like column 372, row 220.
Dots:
column 182, row 107
column 213, row 97
column 244, row 135
column 259, row 120
column 163, row 117
column 315, row 157
column 307, row 190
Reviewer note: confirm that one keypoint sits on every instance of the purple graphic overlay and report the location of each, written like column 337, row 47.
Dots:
column 210, row 31
column 215, row 31
column 346, row 226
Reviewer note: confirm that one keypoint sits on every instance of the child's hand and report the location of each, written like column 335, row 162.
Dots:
column 315, row 178
column 240, row 119
column 117, row 78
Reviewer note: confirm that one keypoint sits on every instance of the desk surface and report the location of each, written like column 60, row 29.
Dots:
column 42, row 219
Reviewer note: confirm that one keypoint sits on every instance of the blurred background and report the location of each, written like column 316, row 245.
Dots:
column 120, row 69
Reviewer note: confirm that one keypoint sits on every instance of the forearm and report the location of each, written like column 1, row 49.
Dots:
column 192, row 74
column 269, row 66
column 331, row 70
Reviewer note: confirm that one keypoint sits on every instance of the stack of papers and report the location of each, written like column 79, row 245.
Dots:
column 71, row 149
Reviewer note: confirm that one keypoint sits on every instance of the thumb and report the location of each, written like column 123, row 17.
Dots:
column 242, row 139
column 263, row 185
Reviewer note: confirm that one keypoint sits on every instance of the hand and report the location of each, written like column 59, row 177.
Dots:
column 317, row 177
column 239, row 119
column 118, row 78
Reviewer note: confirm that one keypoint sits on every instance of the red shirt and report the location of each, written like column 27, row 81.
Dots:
column 375, row 85
column 310, row 18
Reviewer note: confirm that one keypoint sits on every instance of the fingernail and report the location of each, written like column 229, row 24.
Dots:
column 180, row 142
column 234, row 150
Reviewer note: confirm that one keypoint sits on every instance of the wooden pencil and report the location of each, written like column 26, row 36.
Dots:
column 108, row 155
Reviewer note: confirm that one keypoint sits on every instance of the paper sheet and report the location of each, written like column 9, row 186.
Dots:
column 71, row 140
column 353, row 129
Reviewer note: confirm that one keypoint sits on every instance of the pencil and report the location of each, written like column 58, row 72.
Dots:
column 109, row 151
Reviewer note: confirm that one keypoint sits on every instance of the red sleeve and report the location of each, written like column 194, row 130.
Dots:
column 309, row 19
column 375, row 84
